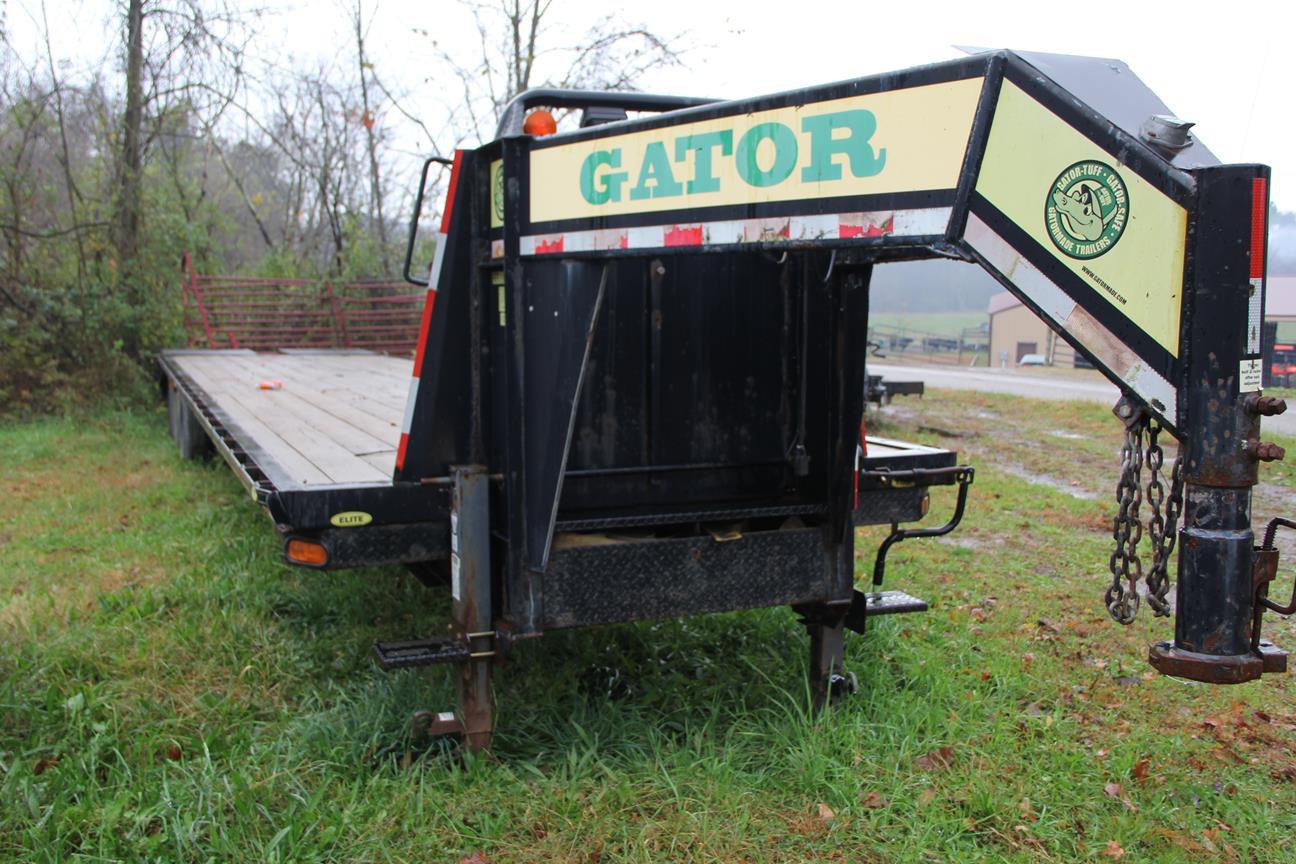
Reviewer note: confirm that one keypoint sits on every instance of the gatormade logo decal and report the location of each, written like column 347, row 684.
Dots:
column 1086, row 210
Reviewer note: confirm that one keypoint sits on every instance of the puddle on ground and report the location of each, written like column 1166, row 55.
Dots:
column 1045, row 480
column 963, row 541
column 1071, row 436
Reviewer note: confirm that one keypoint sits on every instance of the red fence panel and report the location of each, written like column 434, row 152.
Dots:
column 266, row 314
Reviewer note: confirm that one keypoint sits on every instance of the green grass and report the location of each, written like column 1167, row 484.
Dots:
column 170, row 691
column 941, row 323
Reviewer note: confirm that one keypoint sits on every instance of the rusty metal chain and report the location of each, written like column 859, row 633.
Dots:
column 1127, row 529
column 1162, row 530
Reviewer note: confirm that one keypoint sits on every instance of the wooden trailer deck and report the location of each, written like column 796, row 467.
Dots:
column 335, row 421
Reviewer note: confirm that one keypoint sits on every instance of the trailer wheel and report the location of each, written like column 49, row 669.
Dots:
column 186, row 431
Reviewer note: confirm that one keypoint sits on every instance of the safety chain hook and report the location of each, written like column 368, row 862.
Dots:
column 1121, row 596
column 1127, row 529
column 1163, row 531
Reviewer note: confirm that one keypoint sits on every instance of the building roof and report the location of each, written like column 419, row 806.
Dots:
column 1001, row 302
column 1280, row 297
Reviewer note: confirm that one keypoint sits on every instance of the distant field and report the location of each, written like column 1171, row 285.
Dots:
column 941, row 323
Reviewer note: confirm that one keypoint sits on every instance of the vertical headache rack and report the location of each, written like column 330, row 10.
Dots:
column 640, row 376
column 260, row 314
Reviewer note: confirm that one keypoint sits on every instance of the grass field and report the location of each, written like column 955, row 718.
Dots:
column 170, row 691
column 940, row 323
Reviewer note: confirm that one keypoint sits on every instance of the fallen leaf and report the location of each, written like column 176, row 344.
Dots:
column 45, row 764
column 1114, row 850
column 1141, row 768
column 936, row 760
column 1027, row 812
column 874, row 801
column 173, row 753
column 926, row 796
column 826, row 813
column 475, row 858
column 1117, row 791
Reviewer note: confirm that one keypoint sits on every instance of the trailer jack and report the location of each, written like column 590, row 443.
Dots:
column 1169, row 658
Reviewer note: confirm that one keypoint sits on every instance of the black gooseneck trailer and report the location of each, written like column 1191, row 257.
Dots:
column 640, row 384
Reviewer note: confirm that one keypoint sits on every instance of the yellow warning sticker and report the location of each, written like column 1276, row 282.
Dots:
column 1120, row 235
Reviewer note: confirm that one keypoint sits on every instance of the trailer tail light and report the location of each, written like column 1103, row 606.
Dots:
column 308, row 553
column 540, row 122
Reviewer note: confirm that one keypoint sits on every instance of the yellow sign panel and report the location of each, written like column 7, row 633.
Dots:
column 497, row 194
column 1114, row 230
column 899, row 141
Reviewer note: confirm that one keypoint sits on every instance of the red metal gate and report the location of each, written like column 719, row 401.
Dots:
column 265, row 314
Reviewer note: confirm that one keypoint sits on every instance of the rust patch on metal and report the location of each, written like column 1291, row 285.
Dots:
column 1209, row 668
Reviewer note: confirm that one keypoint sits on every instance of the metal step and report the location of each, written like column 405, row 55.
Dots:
column 866, row 605
column 893, row 603
column 420, row 652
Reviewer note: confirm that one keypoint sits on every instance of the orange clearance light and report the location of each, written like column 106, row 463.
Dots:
column 540, row 122
column 307, row 552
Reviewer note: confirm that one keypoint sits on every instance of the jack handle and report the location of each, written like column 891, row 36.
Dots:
column 1262, row 589
column 962, row 475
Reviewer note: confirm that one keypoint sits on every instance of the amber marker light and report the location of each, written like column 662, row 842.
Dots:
column 306, row 552
column 540, row 122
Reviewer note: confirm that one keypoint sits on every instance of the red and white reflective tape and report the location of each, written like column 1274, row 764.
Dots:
column 780, row 229
column 429, row 302
column 1255, row 300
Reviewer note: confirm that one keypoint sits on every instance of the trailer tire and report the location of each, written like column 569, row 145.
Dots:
column 186, row 431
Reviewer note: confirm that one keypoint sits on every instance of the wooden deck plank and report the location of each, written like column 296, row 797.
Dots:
column 335, row 461
column 379, row 391
column 384, row 461
column 290, row 462
column 289, row 430
column 357, row 430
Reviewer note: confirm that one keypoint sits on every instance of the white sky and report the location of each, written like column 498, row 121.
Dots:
column 1229, row 67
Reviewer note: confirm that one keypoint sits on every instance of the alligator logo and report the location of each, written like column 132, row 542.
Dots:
column 1086, row 209
column 497, row 193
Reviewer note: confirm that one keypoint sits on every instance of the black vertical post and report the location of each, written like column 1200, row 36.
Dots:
column 470, row 584
column 1215, row 593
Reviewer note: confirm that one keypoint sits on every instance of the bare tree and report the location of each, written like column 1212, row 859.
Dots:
column 181, row 56
column 521, row 44
column 370, row 123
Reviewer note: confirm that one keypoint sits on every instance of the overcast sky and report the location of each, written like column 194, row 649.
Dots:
column 1229, row 67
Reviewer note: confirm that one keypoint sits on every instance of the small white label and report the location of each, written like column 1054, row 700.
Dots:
column 1249, row 376
column 454, row 532
column 454, row 575
column 1255, row 316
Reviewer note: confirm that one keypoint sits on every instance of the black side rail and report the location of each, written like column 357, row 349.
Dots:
column 960, row 474
column 510, row 122
column 414, row 220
